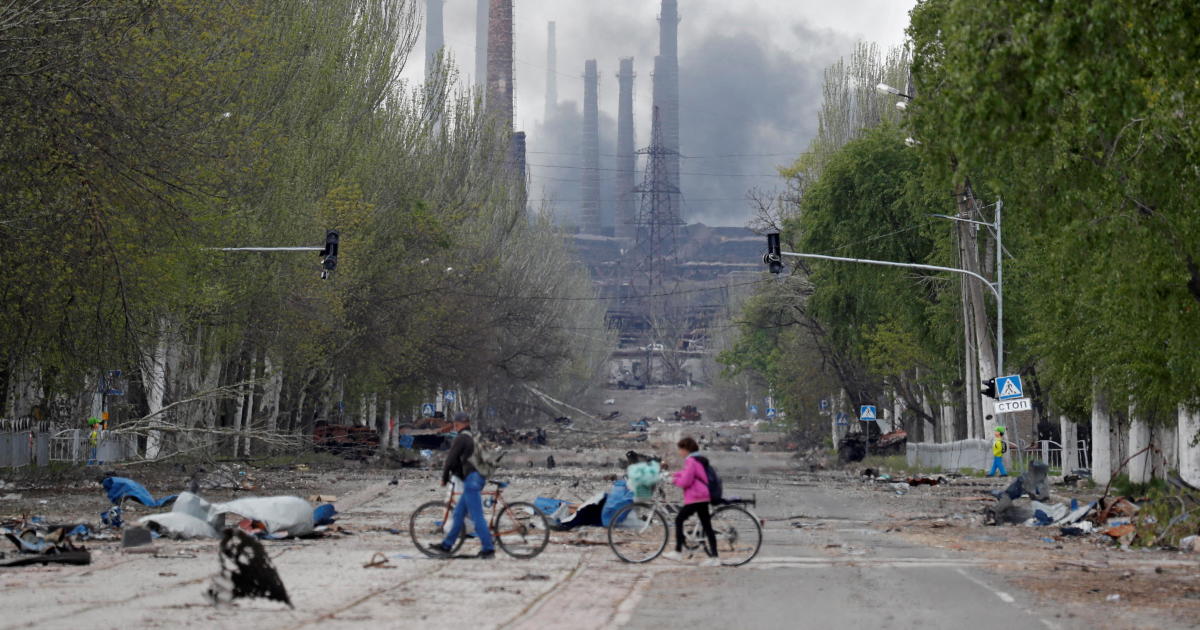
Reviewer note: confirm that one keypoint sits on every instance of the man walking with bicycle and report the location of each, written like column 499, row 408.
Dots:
column 459, row 463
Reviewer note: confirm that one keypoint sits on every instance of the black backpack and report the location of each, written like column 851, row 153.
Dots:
column 716, row 491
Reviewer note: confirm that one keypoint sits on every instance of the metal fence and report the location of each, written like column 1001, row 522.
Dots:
column 38, row 446
column 1050, row 452
column 977, row 455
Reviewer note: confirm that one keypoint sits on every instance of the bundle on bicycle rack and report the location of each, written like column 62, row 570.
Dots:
column 643, row 478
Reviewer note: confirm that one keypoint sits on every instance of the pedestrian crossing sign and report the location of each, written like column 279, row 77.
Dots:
column 867, row 413
column 1009, row 387
column 841, row 419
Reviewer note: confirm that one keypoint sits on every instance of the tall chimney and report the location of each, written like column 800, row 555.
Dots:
column 481, row 42
column 500, row 61
column 434, row 39
column 626, row 158
column 590, row 223
column 666, row 91
column 551, row 74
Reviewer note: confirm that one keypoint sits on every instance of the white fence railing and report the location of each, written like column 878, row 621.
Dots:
column 977, row 455
column 39, row 448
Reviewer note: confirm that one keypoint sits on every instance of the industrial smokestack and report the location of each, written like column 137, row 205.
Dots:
column 666, row 90
column 551, row 74
column 481, row 42
column 626, row 158
column 500, row 61
column 434, row 39
column 590, row 223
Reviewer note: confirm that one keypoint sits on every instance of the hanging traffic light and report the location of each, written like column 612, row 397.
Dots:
column 329, row 254
column 774, row 257
column 989, row 388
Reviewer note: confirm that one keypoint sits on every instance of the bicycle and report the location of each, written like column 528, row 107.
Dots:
column 519, row 528
column 640, row 531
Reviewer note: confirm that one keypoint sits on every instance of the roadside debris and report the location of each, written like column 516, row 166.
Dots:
column 120, row 489
column 1033, row 483
column 136, row 537
column 246, row 571
column 378, row 561
column 274, row 517
column 37, row 543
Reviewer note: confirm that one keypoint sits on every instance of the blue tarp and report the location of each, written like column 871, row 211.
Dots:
column 406, row 441
column 618, row 497
column 547, row 505
column 119, row 489
column 324, row 515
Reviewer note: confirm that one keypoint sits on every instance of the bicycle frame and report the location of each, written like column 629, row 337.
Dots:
column 498, row 506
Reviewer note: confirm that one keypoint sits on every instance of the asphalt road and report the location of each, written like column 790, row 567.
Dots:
column 838, row 568
column 835, row 572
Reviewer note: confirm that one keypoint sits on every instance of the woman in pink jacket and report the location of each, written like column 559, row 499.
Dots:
column 694, row 482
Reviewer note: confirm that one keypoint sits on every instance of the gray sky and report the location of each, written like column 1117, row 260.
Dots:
column 750, row 76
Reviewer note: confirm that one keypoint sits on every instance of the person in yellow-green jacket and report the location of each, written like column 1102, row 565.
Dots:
column 998, row 450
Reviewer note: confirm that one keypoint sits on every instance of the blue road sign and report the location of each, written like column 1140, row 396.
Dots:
column 867, row 413
column 841, row 419
column 427, row 410
column 114, row 392
column 824, row 404
column 770, row 412
column 754, row 410
column 1009, row 387
column 449, row 396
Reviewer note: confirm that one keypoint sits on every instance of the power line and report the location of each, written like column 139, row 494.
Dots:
column 614, row 170
column 687, row 157
column 555, row 298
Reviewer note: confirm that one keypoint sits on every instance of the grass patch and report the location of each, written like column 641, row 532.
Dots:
column 895, row 464
column 1122, row 487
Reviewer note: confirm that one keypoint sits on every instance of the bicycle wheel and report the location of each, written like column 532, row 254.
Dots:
column 521, row 530
column 638, row 533
column 739, row 535
column 427, row 526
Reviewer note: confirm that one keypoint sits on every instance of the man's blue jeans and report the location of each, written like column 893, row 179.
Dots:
column 998, row 466
column 471, row 501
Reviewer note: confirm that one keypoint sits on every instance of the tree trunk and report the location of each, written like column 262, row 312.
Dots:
column 248, row 422
column 1139, row 439
column 1167, row 459
column 976, row 318
column 273, row 373
column 211, row 380
column 970, row 361
column 1101, row 438
column 928, row 432
column 1070, row 444
column 1188, row 431
column 947, row 420
column 237, row 414
column 154, row 378
column 388, row 425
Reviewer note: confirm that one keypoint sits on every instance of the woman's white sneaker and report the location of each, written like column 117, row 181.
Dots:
column 711, row 562
column 673, row 556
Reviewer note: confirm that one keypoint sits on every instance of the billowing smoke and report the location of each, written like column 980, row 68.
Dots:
column 746, row 108
column 750, row 76
column 556, row 161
